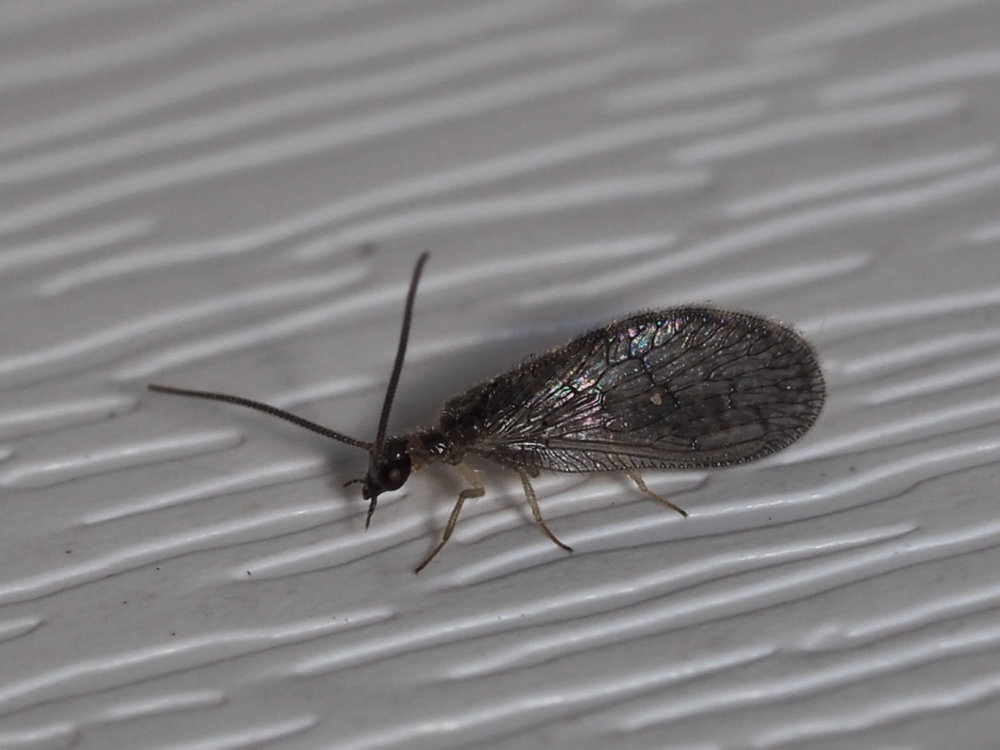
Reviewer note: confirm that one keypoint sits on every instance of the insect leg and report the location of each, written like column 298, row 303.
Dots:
column 529, row 494
column 634, row 476
column 476, row 490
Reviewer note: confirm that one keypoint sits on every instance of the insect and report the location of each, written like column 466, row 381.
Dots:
column 677, row 388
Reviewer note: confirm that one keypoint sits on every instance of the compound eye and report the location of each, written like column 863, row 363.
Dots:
column 394, row 473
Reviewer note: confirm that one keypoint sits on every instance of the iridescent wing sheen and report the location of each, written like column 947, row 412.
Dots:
column 684, row 387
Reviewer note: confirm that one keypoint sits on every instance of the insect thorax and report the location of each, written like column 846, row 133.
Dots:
column 427, row 446
column 450, row 441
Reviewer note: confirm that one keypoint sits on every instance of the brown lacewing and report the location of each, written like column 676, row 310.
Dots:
column 677, row 388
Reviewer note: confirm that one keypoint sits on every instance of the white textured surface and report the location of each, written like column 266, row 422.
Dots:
column 230, row 194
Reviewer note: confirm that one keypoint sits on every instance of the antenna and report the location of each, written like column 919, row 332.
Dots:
column 404, row 335
column 274, row 411
column 374, row 448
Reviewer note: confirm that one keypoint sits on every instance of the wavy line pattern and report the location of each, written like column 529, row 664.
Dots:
column 229, row 195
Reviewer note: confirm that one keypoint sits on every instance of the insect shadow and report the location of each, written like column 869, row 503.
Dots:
column 675, row 388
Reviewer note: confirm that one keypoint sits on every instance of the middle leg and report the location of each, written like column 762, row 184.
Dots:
column 529, row 494
column 635, row 477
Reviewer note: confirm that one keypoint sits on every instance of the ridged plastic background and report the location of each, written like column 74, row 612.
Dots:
column 230, row 195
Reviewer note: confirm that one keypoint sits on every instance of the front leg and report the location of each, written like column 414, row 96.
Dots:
column 476, row 490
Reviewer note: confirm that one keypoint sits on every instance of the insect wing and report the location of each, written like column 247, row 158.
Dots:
column 675, row 388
